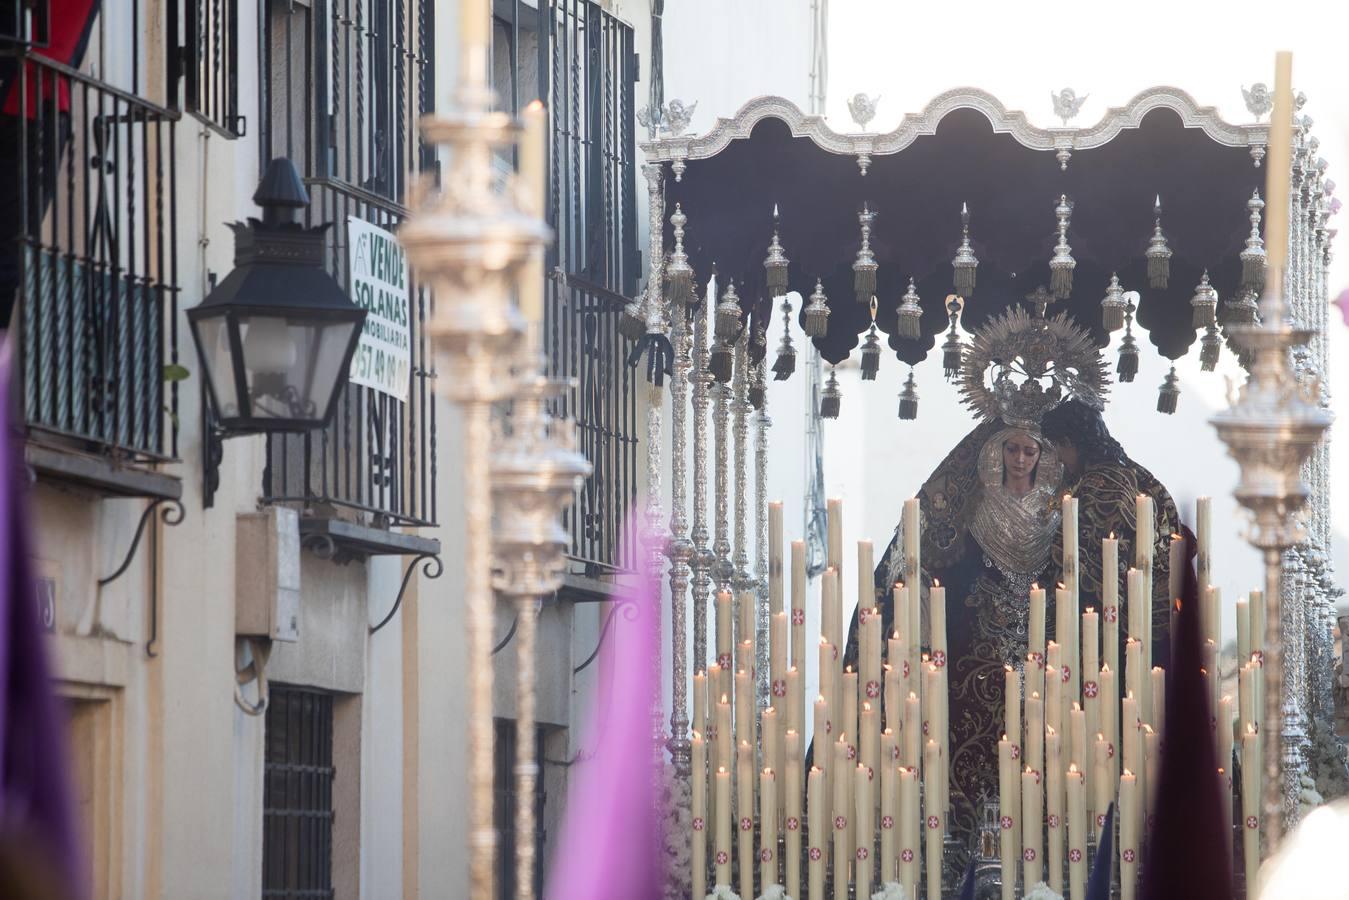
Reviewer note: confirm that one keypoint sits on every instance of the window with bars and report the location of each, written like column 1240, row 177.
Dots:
column 581, row 60
column 211, row 63
column 503, row 780
column 343, row 87
column 297, row 795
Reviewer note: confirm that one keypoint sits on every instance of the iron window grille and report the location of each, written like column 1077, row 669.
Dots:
column 89, row 260
column 504, row 798
column 582, row 60
column 297, row 795
column 210, row 63
column 344, row 86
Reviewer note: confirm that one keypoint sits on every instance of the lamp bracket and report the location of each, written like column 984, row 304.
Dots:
column 171, row 516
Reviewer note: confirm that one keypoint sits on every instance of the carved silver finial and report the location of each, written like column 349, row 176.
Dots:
column 1258, row 99
column 1067, row 104
column 862, row 109
column 670, row 120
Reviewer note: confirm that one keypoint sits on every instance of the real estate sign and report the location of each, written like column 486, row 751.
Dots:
column 379, row 285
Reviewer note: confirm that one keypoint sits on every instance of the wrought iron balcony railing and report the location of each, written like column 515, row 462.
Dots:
column 377, row 459
column 89, row 260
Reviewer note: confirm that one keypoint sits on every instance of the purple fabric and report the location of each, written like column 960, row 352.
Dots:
column 1188, row 851
column 610, row 835
column 35, row 794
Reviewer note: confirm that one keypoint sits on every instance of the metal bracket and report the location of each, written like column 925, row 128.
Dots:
column 433, row 568
column 629, row 609
column 515, row 623
column 171, row 516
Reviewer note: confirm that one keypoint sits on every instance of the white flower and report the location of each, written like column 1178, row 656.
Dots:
column 1042, row 891
column 891, row 890
column 723, row 892
column 774, row 892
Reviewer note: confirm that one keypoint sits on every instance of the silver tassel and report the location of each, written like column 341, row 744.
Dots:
column 864, row 269
column 817, row 313
column 775, row 265
column 910, row 314
column 831, row 399
column 679, row 274
column 908, row 399
column 1169, row 395
column 965, row 263
column 632, row 322
column 728, row 314
column 785, row 364
column 1158, row 252
column 1242, row 310
column 720, row 363
column 871, row 355
column 1112, row 307
column 1253, row 257
column 1204, row 303
column 1128, row 349
column 952, row 349
column 1210, row 348
column 1061, row 264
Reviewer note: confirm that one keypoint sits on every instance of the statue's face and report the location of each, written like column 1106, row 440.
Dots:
column 1020, row 453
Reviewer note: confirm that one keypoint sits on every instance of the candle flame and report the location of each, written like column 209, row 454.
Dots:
column 1176, row 537
column 1250, row 729
column 1105, row 667
column 847, row 670
column 1072, row 768
column 725, row 699
column 866, row 707
column 1112, row 536
column 1035, row 585
column 697, row 735
column 912, row 695
column 767, row 771
column 1008, row 669
column 1035, row 695
column 1077, row 707
column 936, row 582
column 721, row 770
column 1127, row 774
column 1049, row 730
column 820, row 699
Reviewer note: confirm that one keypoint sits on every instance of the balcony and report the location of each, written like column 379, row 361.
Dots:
column 373, row 469
column 90, row 263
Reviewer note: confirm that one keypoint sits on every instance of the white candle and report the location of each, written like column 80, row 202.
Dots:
column 796, row 708
column 847, row 726
column 932, row 813
column 1035, row 735
column 744, row 709
column 745, row 634
column 744, row 812
column 533, row 179
column 1128, row 835
column 1007, row 833
column 1066, row 618
column 1077, row 834
column 834, row 516
column 1203, row 527
column 818, row 851
column 866, row 573
column 912, row 736
column 698, row 779
column 828, row 689
column 1035, row 675
column 831, row 613
column 1054, row 806
column 891, row 700
column 774, row 557
column 792, row 813
column 864, row 828
column 1011, row 707
column 725, row 640
column 1251, row 764
column 1077, row 738
column 722, row 844
column 1102, row 784
column 1159, row 699
column 799, row 582
column 1243, row 631
column 1071, row 640
column 1053, row 696
column 1134, row 676
column 1246, row 695
column 699, row 723
column 777, row 662
column 913, row 565
column 869, row 735
column 822, row 737
column 771, row 742
column 1032, row 828
column 1145, row 512
column 889, row 807
column 1212, row 605
column 1276, row 177
column 1110, row 599
column 908, row 830
column 842, row 814
column 768, row 829
column 1152, row 759
column 724, row 737
column 1175, row 572
column 937, row 612
column 1091, row 690
column 1110, row 720
column 1224, row 744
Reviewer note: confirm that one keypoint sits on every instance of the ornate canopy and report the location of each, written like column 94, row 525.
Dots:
column 967, row 148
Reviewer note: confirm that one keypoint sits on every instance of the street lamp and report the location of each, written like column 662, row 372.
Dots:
column 276, row 336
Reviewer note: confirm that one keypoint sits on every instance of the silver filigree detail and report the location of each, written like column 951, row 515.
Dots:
column 1258, row 99
column 862, row 109
column 1067, row 104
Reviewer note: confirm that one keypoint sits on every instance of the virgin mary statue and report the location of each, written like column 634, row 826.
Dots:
column 989, row 515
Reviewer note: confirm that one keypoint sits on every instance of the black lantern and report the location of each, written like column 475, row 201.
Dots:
column 276, row 336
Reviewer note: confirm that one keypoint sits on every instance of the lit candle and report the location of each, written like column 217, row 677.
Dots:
column 869, row 734
column 818, row 850
column 1251, row 764
column 834, row 511
column 1203, row 530
column 848, row 724
column 891, row 700
column 1104, row 787
column 1128, row 836
column 937, row 613
column 870, row 680
column 1138, row 605
column 1133, row 670
column 1077, row 738
column 1077, row 833
column 792, row 813
column 796, row 708
column 799, row 582
column 1213, row 603
column 1110, row 720
column 1007, row 833
column 1145, row 530
column 1072, row 656
column 744, row 708
column 744, row 658
column 1035, row 675
column 768, row 829
column 774, row 557
column 474, row 34
column 1066, row 623
column 1032, row 828
column 933, row 818
column 722, row 845
column 1035, row 735
column 1224, row 744
column 900, row 598
column 699, row 722
column 1131, row 735
column 1054, row 806
column 1011, row 706
column 831, row 612
column 1246, row 695
column 777, row 661
column 1258, row 636
column 889, row 806
column 828, row 688
column 698, row 780
column 912, row 735
column 822, row 738
column 908, row 830
column 842, row 813
column 724, row 737
column 1175, row 571
column 745, row 607
column 866, row 573
column 1243, row 631
column 744, row 812
column 864, row 828
column 1152, row 759
column 770, row 741
column 1053, row 695
column 1110, row 598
